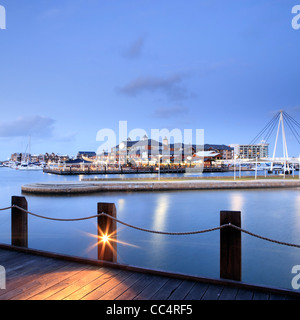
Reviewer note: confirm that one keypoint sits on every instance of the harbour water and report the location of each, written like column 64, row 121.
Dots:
column 273, row 213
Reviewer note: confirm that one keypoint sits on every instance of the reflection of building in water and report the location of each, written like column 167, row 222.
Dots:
column 158, row 242
column 121, row 205
column 296, row 221
column 237, row 202
column 161, row 211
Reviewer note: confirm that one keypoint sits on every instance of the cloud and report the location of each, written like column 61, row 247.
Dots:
column 170, row 112
column 135, row 49
column 171, row 86
column 25, row 126
column 294, row 109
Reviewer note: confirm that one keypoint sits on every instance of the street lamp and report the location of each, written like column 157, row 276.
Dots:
column 189, row 158
column 159, row 156
column 121, row 146
column 234, row 160
column 255, row 168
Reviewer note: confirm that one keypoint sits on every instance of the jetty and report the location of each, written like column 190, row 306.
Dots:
column 134, row 185
column 69, row 171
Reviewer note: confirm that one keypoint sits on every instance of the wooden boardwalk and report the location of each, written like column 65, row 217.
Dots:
column 34, row 277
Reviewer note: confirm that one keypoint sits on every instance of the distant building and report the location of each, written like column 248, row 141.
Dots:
column 86, row 154
column 225, row 152
column 251, row 151
column 16, row 157
column 147, row 151
column 52, row 157
column 140, row 151
column 37, row 158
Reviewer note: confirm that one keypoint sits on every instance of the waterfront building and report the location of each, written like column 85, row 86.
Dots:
column 207, row 158
column 37, row 158
column 16, row 157
column 251, row 151
column 137, row 152
column 86, row 154
column 55, row 158
column 149, row 152
column 224, row 152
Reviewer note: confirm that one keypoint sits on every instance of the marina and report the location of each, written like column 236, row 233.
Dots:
column 167, row 222
column 150, row 151
column 164, row 210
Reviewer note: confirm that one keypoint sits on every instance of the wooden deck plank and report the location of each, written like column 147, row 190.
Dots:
column 116, row 276
column 15, row 266
column 78, row 281
column 136, row 288
column 213, row 292
column 46, row 281
column 260, row 295
column 23, row 274
column 244, row 294
column 166, row 290
column 152, row 288
column 100, row 282
column 197, row 291
column 28, row 271
column 67, row 286
column 35, row 276
column 61, row 283
column 15, row 260
column 228, row 293
column 120, row 288
column 89, row 287
column 182, row 291
column 24, row 280
column 6, row 255
column 274, row 296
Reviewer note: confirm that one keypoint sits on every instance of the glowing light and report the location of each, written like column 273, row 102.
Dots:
column 105, row 238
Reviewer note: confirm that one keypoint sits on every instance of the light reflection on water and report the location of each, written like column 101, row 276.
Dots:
column 273, row 213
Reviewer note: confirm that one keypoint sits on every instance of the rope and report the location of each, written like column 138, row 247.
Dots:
column 2, row 209
column 264, row 238
column 207, row 230
column 163, row 232
column 54, row 219
column 159, row 232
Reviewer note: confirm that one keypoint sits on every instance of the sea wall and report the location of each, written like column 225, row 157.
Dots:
column 133, row 186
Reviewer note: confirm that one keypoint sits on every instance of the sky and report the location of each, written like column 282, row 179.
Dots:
column 69, row 68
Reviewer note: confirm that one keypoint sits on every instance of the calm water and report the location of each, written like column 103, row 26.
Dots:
column 274, row 213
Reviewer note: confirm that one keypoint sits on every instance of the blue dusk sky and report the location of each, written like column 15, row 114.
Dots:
column 69, row 68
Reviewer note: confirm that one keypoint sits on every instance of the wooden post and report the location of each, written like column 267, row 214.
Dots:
column 230, row 246
column 19, row 222
column 107, row 250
